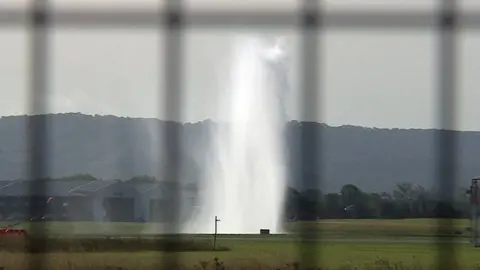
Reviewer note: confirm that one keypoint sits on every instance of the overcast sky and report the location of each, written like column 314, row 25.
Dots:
column 369, row 78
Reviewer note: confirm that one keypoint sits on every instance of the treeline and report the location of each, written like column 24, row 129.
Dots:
column 406, row 201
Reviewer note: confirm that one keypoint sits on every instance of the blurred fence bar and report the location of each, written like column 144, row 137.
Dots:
column 211, row 19
column 446, row 151
column 309, row 49
column 311, row 20
column 37, row 126
column 172, row 107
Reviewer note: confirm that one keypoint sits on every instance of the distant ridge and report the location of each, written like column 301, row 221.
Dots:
column 111, row 147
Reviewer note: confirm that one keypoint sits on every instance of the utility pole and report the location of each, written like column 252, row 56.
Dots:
column 215, row 235
column 474, row 201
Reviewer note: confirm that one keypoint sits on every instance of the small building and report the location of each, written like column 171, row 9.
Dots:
column 85, row 199
column 111, row 200
column 22, row 201
column 157, row 202
column 3, row 201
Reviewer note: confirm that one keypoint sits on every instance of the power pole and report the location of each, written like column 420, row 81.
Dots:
column 215, row 235
column 474, row 201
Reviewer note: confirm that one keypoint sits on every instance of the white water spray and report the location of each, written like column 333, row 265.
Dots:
column 245, row 183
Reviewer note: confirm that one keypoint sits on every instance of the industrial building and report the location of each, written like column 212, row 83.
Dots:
column 111, row 200
column 157, row 199
column 92, row 200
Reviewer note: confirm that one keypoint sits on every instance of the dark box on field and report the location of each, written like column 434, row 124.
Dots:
column 264, row 231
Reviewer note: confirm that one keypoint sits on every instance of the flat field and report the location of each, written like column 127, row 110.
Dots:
column 345, row 244
column 247, row 254
column 327, row 228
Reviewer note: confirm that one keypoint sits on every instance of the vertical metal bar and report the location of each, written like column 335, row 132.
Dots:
column 37, row 125
column 446, row 138
column 309, row 135
column 172, row 60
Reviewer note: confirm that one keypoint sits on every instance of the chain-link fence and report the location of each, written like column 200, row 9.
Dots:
column 310, row 19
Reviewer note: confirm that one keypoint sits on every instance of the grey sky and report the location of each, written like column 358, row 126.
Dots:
column 369, row 78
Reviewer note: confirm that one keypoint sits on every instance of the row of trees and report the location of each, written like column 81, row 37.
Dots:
column 406, row 201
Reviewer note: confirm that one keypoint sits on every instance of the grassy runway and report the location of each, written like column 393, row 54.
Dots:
column 275, row 252
column 327, row 228
column 263, row 255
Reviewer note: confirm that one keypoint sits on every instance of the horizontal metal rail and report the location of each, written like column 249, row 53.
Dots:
column 363, row 20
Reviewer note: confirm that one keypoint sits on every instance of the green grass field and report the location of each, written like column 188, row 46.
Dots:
column 273, row 252
column 327, row 228
column 264, row 255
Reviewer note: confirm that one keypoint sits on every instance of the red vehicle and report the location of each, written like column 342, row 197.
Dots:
column 10, row 230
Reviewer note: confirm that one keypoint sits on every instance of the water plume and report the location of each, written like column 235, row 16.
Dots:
column 245, row 182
